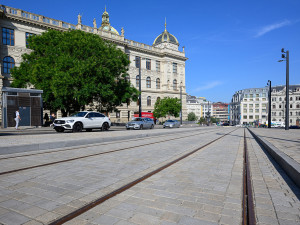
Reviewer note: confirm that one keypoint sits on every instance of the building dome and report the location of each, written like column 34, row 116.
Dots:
column 165, row 37
column 105, row 25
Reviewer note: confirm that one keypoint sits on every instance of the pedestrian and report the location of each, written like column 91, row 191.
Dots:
column 17, row 119
column 52, row 117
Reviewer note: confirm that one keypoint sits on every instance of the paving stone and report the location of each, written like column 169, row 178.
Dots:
column 141, row 218
column 13, row 218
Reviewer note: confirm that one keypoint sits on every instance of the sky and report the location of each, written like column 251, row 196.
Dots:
column 230, row 44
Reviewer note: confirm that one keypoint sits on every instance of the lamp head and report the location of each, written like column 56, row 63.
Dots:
column 282, row 50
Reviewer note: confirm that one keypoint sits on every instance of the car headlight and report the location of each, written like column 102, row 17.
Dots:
column 69, row 121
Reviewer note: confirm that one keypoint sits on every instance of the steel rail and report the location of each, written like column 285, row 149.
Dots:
column 248, row 203
column 91, row 155
column 102, row 199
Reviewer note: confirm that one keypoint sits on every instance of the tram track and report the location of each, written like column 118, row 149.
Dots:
column 248, row 203
column 89, row 155
column 125, row 187
column 80, row 147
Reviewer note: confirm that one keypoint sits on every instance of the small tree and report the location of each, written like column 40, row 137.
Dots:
column 192, row 116
column 202, row 120
column 167, row 107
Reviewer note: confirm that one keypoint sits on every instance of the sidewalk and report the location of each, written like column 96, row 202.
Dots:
column 284, row 147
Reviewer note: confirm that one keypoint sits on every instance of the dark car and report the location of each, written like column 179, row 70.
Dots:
column 294, row 127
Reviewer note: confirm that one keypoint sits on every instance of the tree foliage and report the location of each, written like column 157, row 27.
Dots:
column 202, row 120
column 167, row 107
column 192, row 116
column 74, row 69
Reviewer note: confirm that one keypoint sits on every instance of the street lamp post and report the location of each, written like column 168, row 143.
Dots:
column 140, row 89
column 269, row 113
column 180, row 104
column 287, row 86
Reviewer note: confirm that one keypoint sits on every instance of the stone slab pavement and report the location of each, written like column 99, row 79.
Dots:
column 41, row 195
column 21, row 143
column 284, row 147
column 276, row 197
column 203, row 189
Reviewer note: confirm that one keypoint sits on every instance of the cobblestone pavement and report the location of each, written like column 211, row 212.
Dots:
column 287, row 141
column 38, row 196
column 276, row 197
column 205, row 188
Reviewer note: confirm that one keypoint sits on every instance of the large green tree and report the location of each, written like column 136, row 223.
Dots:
column 74, row 69
column 167, row 107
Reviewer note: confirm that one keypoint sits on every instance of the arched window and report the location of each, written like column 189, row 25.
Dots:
column 274, row 106
column 148, row 82
column 298, row 106
column 280, row 99
column 158, row 98
column 157, row 83
column 137, row 81
column 148, row 101
column 8, row 64
column 174, row 84
column 291, row 98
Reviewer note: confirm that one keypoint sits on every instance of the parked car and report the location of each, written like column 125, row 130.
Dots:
column 294, row 127
column 140, row 123
column 82, row 120
column 171, row 124
column 262, row 125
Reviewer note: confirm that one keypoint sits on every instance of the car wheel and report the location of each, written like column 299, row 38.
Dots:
column 77, row 127
column 89, row 130
column 127, row 128
column 152, row 126
column 141, row 127
column 59, row 130
column 104, row 126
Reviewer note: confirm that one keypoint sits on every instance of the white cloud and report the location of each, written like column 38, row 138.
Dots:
column 208, row 86
column 271, row 27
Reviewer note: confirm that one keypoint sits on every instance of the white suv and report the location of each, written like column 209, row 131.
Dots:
column 82, row 120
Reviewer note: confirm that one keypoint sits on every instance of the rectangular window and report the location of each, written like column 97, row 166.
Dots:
column 264, row 105
column 256, row 117
column 256, row 105
column 244, row 117
column 174, row 67
column 245, row 110
column 8, row 36
column 158, row 66
column 250, row 117
column 257, row 95
column 27, row 36
column 251, row 110
column 251, row 95
column 118, row 114
column 257, row 110
column 137, row 62
column 148, row 64
column 264, row 95
column 245, row 105
column 250, row 105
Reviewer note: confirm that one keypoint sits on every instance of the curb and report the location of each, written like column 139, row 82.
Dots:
column 289, row 165
column 73, row 143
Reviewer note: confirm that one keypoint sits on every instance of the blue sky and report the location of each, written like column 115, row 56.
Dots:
column 231, row 44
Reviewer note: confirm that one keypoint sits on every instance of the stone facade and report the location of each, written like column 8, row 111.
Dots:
column 278, row 97
column 161, row 62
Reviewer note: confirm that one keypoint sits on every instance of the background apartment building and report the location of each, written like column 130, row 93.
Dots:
column 198, row 105
column 220, row 111
column 278, row 104
column 250, row 106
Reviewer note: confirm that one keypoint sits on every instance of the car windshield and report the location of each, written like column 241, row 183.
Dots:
column 79, row 114
column 137, row 119
column 170, row 121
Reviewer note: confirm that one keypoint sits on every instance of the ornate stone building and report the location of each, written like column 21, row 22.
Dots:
column 162, row 64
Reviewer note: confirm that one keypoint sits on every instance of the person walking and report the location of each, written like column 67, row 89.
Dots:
column 17, row 119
